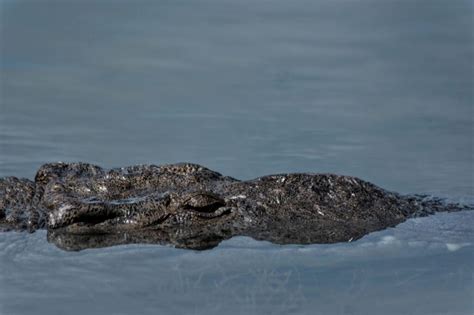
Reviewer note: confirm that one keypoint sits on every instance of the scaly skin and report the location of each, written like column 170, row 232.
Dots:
column 187, row 205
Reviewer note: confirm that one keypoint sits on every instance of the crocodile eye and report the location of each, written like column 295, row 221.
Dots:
column 203, row 202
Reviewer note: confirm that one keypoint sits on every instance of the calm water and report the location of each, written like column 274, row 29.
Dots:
column 377, row 89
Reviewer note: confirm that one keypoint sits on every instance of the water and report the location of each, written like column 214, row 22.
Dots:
column 381, row 90
column 424, row 266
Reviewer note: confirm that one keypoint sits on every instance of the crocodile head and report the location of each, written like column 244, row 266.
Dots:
column 92, row 215
column 198, row 220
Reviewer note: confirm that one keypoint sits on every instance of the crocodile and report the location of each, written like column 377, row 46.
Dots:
column 187, row 205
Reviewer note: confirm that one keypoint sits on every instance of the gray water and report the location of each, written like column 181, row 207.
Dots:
column 381, row 90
